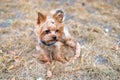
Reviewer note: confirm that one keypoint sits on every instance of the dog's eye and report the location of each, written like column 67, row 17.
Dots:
column 47, row 31
column 57, row 30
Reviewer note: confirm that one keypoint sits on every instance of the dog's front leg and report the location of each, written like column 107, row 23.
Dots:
column 57, row 52
column 43, row 55
column 72, row 43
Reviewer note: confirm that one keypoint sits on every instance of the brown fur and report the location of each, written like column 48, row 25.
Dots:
column 47, row 28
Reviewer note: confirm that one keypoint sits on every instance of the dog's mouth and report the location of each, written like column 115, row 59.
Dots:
column 51, row 41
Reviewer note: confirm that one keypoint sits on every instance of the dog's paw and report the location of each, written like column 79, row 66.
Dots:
column 49, row 74
column 60, row 58
column 77, row 52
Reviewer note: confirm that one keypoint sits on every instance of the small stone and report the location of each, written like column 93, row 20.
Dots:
column 39, row 78
column 107, row 30
column 38, row 48
column 83, row 46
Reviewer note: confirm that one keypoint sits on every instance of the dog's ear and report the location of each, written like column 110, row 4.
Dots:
column 41, row 18
column 58, row 16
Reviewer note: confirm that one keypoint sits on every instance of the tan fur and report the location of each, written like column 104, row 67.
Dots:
column 49, row 27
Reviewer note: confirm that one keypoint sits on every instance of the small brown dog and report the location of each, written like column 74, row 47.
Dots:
column 50, row 30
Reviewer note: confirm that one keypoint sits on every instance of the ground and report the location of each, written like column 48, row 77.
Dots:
column 95, row 24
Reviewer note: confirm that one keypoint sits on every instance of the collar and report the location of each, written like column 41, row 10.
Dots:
column 48, row 44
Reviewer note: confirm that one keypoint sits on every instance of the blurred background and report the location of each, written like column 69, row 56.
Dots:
column 95, row 24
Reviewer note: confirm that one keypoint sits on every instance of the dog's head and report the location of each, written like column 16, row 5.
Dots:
column 50, row 28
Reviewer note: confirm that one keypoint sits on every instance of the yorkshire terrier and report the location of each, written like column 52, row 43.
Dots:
column 50, row 31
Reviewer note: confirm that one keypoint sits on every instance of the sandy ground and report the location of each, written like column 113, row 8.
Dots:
column 95, row 24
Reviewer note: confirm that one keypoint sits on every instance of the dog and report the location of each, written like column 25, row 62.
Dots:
column 52, row 35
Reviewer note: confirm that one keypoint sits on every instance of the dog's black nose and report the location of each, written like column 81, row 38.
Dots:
column 54, row 37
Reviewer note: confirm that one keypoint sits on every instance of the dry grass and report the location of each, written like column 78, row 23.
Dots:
column 95, row 24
